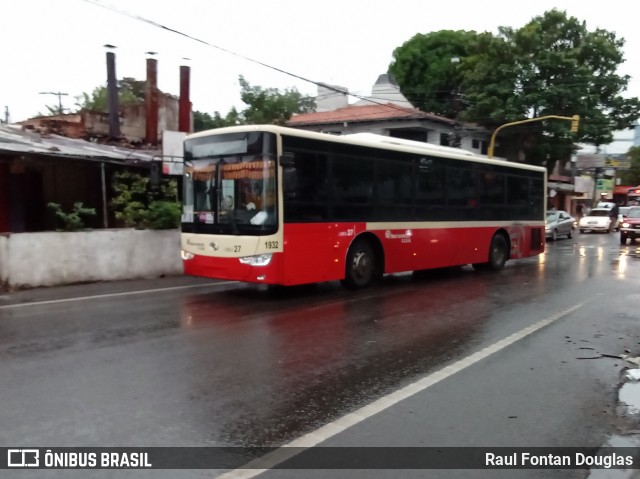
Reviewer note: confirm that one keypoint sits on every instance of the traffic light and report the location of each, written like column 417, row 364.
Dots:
column 575, row 120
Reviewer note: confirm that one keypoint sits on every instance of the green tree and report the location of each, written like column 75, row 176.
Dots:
column 52, row 110
column 553, row 65
column 632, row 175
column 426, row 68
column 270, row 105
column 559, row 67
column 131, row 92
column 204, row 121
column 264, row 105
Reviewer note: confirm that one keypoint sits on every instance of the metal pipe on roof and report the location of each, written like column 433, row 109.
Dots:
column 184, row 108
column 151, row 100
column 112, row 92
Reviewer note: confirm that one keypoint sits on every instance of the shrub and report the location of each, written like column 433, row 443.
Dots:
column 139, row 206
column 72, row 221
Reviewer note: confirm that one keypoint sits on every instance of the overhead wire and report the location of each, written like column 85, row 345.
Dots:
column 372, row 99
column 226, row 50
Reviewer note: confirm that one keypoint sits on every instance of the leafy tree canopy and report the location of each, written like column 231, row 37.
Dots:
column 632, row 175
column 130, row 93
column 426, row 68
column 204, row 121
column 553, row 65
column 264, row 105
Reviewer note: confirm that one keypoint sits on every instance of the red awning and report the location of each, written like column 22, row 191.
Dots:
column 621, row 190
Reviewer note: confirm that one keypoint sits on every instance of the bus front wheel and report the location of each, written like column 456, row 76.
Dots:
column 361, row 268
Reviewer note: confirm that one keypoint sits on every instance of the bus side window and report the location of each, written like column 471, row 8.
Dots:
column 304, row 186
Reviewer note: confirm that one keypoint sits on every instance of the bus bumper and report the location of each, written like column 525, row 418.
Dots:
column 233, row 269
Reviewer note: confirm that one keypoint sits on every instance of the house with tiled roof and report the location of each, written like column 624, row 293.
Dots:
column 387, row 112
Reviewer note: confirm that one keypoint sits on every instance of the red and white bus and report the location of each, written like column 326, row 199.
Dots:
column 281, row 206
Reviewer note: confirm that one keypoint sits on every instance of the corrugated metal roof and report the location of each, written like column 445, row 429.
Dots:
column 13, row 139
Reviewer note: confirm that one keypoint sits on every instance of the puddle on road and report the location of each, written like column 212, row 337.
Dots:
column 629, row 397
column 629, row 407
column 617, row 441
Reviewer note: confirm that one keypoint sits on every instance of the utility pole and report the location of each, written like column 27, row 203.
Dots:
column 59, row 94
column 6, row 115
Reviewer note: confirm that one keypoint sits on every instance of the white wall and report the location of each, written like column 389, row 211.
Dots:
column 54, row 258
column 3, row 259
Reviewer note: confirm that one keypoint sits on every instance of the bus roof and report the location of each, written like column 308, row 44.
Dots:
column 372, row 140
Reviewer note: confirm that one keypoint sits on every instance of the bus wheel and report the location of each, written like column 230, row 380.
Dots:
column 498, row 254
column 361, row 269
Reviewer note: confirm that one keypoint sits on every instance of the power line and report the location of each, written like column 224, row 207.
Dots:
column 140, row 18
column 371, row 99
column 204, row 42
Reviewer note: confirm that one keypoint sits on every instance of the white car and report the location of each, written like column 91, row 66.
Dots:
column 606, row 204
column 598, row 219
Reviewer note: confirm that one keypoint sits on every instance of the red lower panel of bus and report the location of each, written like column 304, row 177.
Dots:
column 317, row 252
column 231, row 269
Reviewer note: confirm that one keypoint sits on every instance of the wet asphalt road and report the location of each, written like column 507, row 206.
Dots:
column 201, row 363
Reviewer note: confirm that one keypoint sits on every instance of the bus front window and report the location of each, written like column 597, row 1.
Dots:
column 231, row 196
column 230, row 184
column 248, row 194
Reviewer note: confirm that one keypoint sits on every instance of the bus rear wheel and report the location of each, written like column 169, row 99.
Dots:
column 361, row 268
column 498, row 254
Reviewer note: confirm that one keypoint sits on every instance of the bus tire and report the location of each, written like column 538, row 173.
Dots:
column 498, row 254
column 361, row 268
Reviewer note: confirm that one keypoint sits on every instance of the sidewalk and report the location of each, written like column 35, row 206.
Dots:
column 54, row 293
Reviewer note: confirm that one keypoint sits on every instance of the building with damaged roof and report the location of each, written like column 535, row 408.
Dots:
column 39, row 168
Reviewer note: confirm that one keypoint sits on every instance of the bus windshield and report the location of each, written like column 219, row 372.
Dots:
column 229, row 184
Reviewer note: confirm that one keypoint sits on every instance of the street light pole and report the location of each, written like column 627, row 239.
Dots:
column 575, row 119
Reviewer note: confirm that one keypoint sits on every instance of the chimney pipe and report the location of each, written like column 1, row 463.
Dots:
column 112, row 93
column 184, row 108
column 151, row 100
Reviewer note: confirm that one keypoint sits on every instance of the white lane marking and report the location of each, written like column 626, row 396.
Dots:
column 111, row 295
column 268, row 461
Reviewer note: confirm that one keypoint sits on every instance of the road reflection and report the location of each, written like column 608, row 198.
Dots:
column 271, row 368
column 304, row 358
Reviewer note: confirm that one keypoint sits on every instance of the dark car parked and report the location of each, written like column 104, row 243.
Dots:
column 630, row 227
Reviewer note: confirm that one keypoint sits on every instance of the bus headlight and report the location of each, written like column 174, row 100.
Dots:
column 186, row 256
column 258, row 260
column 625, row 225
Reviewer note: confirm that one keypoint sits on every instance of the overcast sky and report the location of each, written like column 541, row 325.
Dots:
column 57, row 46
